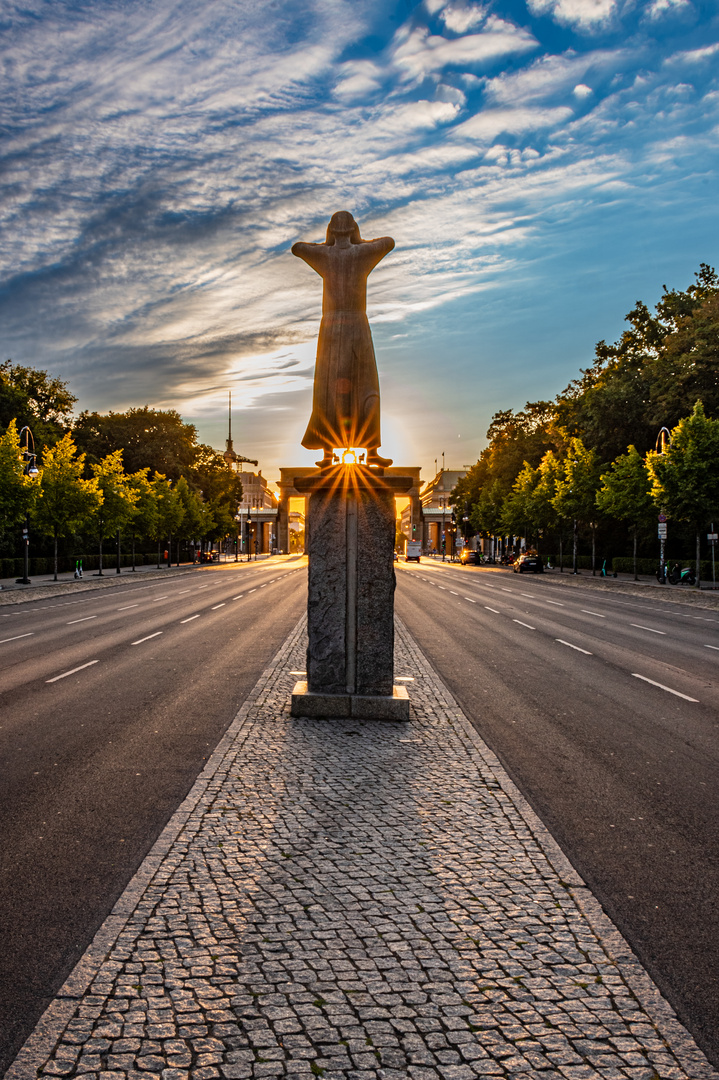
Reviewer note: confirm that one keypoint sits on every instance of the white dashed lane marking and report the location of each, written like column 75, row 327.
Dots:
column 569, row 645
column 86, row 619
column 156, row 634
column 18, row 636
column 190, row 619
column 663, row 687
column 520, row 623
column 639, row 627
column 66, row 673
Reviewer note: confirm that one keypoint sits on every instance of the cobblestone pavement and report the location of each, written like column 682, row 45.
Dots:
column 357, row 900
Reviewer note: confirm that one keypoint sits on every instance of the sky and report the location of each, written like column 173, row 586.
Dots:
column 541, row 165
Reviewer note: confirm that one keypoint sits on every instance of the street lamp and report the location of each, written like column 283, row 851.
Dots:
column 30, row 468
column 664, row 439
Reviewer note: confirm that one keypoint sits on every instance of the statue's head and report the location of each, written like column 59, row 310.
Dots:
column 343, row 224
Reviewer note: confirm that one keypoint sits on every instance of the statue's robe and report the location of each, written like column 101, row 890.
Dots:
column 345, row 402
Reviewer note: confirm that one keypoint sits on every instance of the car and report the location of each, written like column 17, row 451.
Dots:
column 528, row 562
column 208, row 556
column 467, row 557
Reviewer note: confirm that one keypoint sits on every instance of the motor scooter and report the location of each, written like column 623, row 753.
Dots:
column 678, row 576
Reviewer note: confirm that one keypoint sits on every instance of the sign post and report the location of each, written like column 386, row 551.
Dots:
column 712, row 538
column 662, row 534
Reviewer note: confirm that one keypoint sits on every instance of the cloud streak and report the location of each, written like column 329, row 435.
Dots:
column 160, row 160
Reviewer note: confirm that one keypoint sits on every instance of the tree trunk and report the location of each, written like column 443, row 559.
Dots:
column 561, row 554
column 594, row 572
column 169, row 553
column 100, row 570
column 159, row 542
column 699, row 545
column 133, row 553
column 636, row 576
column 118, row 552
column 178, row 552
column 575, row 533
column 55, row 578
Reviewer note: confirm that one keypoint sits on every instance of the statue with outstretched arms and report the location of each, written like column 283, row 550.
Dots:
column 345, row 402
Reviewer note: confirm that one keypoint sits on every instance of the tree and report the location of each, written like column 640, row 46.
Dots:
column 17, row 490
column 33, row 398
column 197, row 518
column 519, row 515
column 118, row 498
column 576, row 489
column 170, row 513
column 150, row 439
column 144, row 512
column 624, row 494
column 65, row 500
column 684, row 477
column 486, row 514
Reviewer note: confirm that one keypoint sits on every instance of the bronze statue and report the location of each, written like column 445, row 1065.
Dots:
column 345, row 401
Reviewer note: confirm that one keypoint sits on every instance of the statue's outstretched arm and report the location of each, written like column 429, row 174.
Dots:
column 375, row 250
column 313, row 254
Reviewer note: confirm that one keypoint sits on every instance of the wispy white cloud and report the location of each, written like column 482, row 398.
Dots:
column 584, row 14
column 160, row 160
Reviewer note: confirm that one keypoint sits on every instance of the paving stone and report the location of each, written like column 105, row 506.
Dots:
column 365, row 901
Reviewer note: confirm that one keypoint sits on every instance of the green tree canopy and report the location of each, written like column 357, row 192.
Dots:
column 17, row 491
column 66, row 502
column 625, row 494
column 33, row 398
column 149, row 439
column 684, row 477
column 118, row 498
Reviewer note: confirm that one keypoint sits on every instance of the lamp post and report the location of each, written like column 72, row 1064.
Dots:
column 664, row 439
column 30, row 469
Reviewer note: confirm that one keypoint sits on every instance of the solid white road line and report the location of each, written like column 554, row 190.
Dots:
column 587, row 612
column 663, row 687
column 87, row 617
column 562, row 642
column 470, row 599
column 30, row 634
column 190, row 619
column 639, row 627
column 127, row 607
column 66, row 673
column 216, row 607
column 520, row 623
column 491, row 609
column 555, row 602
column 156, row 634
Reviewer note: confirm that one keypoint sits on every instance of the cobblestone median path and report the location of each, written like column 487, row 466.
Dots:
column 357, row 900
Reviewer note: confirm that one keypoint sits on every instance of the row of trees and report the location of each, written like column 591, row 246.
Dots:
column 587, row 461
column 142, row 472
column 64, row 501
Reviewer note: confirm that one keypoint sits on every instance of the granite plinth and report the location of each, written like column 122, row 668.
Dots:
column 355, row 706
column 350, row 604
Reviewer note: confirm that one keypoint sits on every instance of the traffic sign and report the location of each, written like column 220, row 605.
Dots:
column 662, row 517
column 712, row 536
column 662, row 530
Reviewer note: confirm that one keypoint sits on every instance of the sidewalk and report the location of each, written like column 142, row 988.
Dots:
column 357, row 900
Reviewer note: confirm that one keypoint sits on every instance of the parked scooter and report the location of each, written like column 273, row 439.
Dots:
column 682, row 577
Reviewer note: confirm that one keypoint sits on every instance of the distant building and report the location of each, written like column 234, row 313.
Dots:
column 437, row 509
column 258, row 514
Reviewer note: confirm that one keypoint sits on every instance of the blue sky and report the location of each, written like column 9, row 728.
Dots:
column 541, row 165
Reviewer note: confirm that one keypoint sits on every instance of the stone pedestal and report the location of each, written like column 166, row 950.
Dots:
column 350, row 606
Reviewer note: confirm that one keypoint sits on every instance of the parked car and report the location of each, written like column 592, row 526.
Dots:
column 208, row 556
column 467, row 557
column 525, row 563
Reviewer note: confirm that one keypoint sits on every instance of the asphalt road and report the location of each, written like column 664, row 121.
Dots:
column 94, row 763
column 605, row 712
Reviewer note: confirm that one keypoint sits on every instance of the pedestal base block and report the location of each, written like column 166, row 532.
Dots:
column 350, row 706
